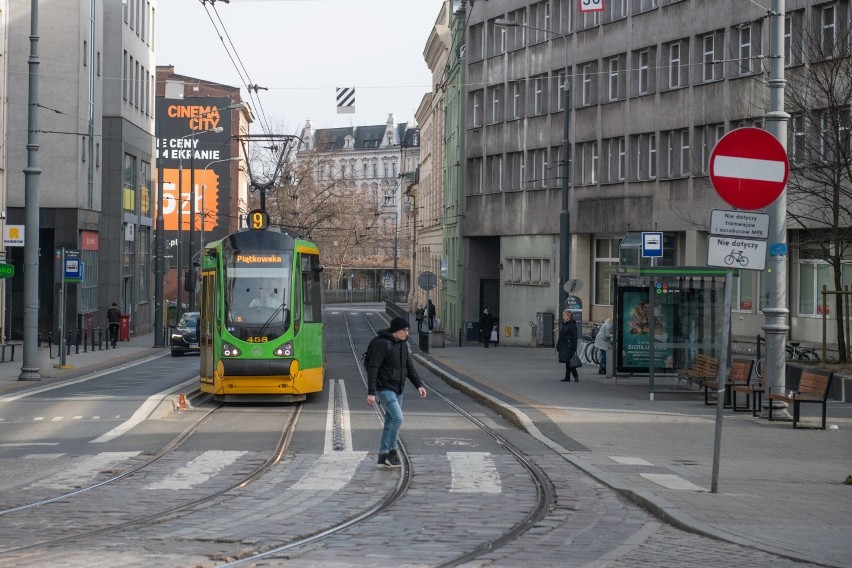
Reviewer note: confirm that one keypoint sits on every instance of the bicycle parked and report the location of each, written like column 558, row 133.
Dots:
column 587, row 351
column 792, row 352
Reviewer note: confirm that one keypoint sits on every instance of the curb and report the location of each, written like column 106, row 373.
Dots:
column 649, row 501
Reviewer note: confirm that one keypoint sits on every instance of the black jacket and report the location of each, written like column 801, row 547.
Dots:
column 567, row 344
column 486, row 322
column 389, row 364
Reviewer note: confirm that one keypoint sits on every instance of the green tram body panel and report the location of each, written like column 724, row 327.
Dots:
column 260, row 329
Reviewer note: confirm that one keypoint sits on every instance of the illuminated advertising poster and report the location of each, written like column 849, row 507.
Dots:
column 636, row 328
column 188, row 141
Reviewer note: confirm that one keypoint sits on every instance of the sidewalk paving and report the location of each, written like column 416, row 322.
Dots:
column 77, row 364
column 779, row 490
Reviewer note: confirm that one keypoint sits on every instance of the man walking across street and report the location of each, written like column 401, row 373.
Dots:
column 388, row 365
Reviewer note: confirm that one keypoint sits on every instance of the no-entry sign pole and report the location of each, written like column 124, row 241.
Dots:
column 775, row 324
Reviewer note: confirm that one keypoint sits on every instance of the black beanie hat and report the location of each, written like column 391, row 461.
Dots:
column 397, row 324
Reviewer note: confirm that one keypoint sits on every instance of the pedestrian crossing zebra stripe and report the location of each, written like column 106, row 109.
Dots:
column 345, row 100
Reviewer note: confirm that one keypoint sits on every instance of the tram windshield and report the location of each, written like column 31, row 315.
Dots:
column 256, row 300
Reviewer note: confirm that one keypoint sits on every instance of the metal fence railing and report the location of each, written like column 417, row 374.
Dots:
column 363, row 295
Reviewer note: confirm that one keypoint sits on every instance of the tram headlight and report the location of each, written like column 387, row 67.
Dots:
column 229, row 350
column 285, row 350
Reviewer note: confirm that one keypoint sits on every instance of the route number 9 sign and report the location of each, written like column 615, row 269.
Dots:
column 591, row 6
column 258, row 220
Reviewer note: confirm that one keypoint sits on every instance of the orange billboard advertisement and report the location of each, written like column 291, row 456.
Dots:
column 176, row 191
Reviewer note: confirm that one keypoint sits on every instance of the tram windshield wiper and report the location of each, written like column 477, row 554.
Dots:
column 277, row 311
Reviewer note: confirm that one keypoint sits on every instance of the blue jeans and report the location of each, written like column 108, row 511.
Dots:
column 392, row 403
column 602, row 359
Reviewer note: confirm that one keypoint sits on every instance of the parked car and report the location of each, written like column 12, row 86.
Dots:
column 185, row 335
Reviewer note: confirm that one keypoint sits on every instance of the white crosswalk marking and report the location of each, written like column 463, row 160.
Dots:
column 626, row 460
column 473, row 472
column 671, row 481
column 84, row 470
column 198, row 471
column 331, row 472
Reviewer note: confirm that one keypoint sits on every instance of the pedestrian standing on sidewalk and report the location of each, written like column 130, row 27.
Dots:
column 114, row 320
column 430, row 313
column 486, row 324
column 567, row 346
column 603, row 341
column 388, row 365
column 419, row 314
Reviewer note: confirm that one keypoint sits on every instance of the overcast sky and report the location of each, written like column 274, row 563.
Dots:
column 301, row 50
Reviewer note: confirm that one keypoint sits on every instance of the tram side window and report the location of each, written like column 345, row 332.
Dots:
column 311, row 289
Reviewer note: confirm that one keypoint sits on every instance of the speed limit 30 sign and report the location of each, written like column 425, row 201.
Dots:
column 591, row 6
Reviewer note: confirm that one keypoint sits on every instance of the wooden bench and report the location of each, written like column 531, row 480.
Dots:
column 813, row 387
column 754, row 395
column 703, row 368
column 8, row 349
column 739, row 375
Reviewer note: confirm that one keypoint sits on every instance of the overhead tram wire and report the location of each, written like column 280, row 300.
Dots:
column 240, row 68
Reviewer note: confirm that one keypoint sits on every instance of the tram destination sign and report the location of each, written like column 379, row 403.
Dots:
column 746, row 224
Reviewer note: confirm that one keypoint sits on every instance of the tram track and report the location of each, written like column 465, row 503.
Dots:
column 99, row 497
column 544, row 500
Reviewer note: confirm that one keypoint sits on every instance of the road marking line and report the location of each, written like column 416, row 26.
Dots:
column 473, row 472
column 671, row 481
column 84, row 470
column 331, row 472
column 141, row 413
column 198, row 471
column 629, row 461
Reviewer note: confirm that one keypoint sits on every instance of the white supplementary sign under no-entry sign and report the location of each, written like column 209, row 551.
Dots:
column 746, row 224
column 735, row 252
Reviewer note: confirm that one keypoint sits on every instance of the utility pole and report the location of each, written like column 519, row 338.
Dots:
column 29, row 368
column 776, row 313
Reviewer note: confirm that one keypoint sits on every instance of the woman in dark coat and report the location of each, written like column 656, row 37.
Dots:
column 486, row 323
column 567, row 345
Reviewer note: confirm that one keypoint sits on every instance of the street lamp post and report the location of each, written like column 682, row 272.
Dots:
column 564, row 214
column 192, row 212
column 203, row 189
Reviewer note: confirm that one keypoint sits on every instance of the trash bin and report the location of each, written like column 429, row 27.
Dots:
column 423, row 338
column 124, row 328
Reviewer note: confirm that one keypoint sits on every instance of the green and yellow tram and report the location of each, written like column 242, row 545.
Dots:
column 260, row 329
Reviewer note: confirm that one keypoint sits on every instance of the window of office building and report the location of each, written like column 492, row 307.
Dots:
column 645, row 70
column 793, row 38
column 528, row 271
column 744, row 291
column 495, row 94
column 476, row 109
column 494, row 169
column 515, row 171
column 498, row 36
column 145, row 189
column 586, row 157
column 711, row 56
column 640, row 6
column 588, row 83
column 516, row 99
column 128, row 200
column 675, row 153
column 615, row 69
column 559, row 85
column 706, row 138
column 615, row 158
column 676, row 64
column 643, row 148
column 606, row 260
column 827, row 16
column 746, row 47
column 537, row 94
column 615, row 10
column 537, row 171
column 797, row 140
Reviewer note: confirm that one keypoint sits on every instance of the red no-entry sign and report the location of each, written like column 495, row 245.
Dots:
column 749, row 168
